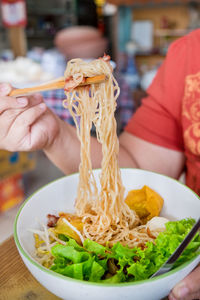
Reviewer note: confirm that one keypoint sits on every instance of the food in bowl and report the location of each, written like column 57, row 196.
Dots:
column 61, row 248
column 59, row 196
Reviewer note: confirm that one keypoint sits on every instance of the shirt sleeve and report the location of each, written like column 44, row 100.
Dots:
column 158, row 120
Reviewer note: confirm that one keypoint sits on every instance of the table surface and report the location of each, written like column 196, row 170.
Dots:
column 16, row 282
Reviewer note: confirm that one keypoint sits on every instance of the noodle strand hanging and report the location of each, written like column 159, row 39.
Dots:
column 105, row 215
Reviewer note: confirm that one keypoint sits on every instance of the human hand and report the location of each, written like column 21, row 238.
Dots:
column 188, row 288
column 26, row 123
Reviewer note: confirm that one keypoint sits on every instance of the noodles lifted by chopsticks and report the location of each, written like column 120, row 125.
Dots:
column 105, row 215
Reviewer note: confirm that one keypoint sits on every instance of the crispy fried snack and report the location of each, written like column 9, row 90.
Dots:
column 145, row 202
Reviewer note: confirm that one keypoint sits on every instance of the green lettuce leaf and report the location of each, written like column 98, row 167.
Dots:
column 120, row 251
column 70, row 253
column 97, row 271
column 73, row 271
column 117, row 278
column 94, row 247
column 96, row 263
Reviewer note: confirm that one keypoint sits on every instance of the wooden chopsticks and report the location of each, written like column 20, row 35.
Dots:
column 58, row 83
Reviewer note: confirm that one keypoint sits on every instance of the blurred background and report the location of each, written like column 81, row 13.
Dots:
column 37, row 38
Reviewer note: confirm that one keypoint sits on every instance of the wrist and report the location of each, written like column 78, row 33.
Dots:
column 56, row 141
column 64, row 151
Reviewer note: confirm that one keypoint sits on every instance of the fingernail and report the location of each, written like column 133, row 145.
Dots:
column 181, row 290
column 42, row 106
column 22, row 101
column 4, row 89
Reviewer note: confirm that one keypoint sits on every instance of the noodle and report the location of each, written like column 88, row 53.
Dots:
column 105, row 215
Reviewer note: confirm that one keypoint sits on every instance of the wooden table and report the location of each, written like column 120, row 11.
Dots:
column 16, row 282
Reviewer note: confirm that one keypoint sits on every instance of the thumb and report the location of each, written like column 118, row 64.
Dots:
column 189, row 285
column 5, row 89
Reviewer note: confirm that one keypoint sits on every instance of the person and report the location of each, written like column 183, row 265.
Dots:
column 162, row 136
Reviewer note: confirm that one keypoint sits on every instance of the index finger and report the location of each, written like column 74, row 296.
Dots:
column 5, row 89
column 7, row 103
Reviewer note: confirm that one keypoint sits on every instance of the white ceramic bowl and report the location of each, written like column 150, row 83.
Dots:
column 179, row 202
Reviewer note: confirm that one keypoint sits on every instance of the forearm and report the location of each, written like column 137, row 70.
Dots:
column 64, row 152
column 125, row 158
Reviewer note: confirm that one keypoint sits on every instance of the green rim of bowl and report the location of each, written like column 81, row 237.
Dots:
column 36, row 264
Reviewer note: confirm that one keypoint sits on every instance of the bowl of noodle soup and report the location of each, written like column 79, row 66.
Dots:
column 179, row 202
column 107, row 227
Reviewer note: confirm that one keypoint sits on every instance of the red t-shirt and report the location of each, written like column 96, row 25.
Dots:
column 170, row 115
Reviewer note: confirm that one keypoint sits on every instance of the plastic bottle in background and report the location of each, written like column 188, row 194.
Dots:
column 129, row 80
column 53, row 62
column 36, row 54
column 131, row 72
